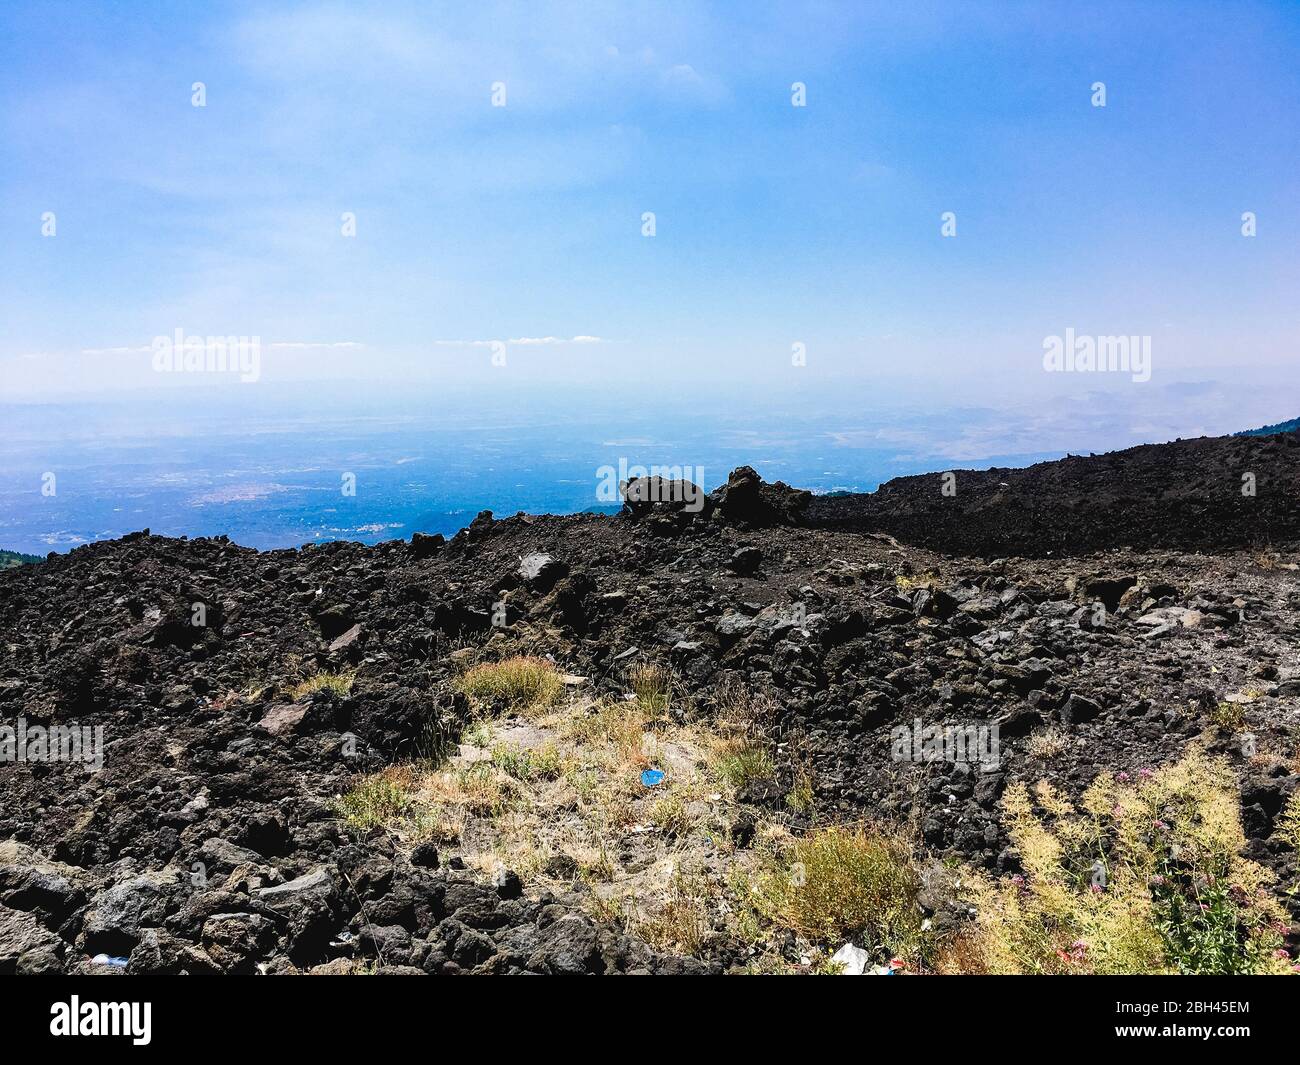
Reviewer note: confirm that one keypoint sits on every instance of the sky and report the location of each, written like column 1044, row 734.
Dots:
column 775, row 226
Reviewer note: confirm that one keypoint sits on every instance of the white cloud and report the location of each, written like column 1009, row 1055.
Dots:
column 278, row 345
column 299, row 345
column 522, row 341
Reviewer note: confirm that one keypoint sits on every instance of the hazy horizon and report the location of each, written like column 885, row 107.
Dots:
column 270, row 474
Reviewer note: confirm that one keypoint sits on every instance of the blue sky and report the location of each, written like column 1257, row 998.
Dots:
column 774, row 224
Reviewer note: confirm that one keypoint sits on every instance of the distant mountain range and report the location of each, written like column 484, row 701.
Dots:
column 1269, row 430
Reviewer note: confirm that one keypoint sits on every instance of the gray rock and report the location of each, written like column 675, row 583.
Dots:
column 27, row 948
column 541, row 571
column 570, row 946
column 116, row 916
column 162, row 953
column 1079, row 709
column 342, row 643
column 1172, row 615
column 318, row 884
column 234, row 941
column 312, row 906
column 283, row 718
column 732, row 624
column 30, row 882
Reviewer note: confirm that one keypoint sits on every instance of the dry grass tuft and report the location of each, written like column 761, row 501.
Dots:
column 617, row 725
column 740, row 749
column 652, row 685
column 679, row 921
column 338, row 683
column 521, row 683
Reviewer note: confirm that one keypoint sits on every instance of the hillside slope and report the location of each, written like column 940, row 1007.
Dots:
column 1189, row 494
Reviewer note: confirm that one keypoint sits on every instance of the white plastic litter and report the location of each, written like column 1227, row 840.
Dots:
column 852, row 960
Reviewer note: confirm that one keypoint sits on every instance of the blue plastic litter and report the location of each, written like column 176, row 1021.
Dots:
column 651, row 777
column 105, row 959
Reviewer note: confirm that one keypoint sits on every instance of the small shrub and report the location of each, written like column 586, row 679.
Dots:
column 1228, row 717
column 518, row 683
column 1046, row 743
column 1146, row 878
column 1288, row 822
column 906, row 583
column 845, row 881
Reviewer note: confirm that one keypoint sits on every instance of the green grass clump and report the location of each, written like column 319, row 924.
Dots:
column 338, row 683
column 801, row 796
column 375, row 802
column 738, row 762
column 542, row 763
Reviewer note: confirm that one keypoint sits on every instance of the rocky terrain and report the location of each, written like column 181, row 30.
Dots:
column 1104, row 613
column 1208, row 494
